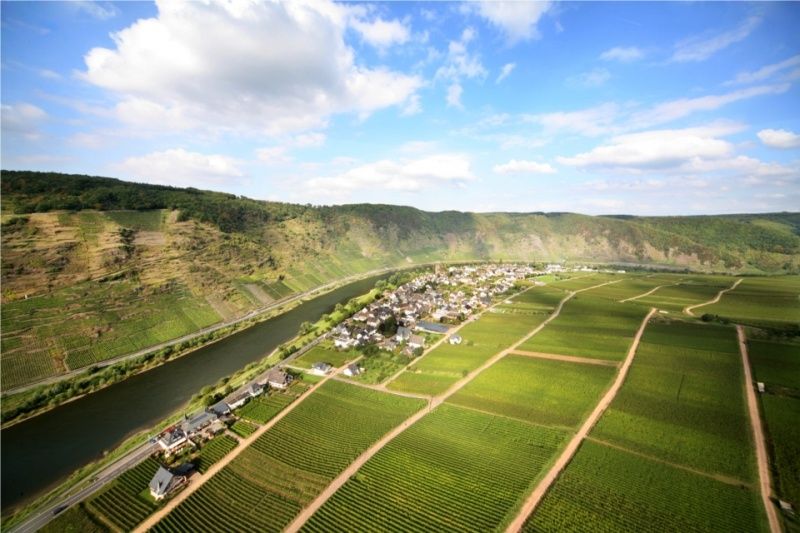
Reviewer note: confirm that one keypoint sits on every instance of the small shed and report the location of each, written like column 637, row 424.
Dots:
column 455, row 339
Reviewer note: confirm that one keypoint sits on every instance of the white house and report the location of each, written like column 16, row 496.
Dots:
column 321, row 368
column 278, row 379
column 454, row 339
column 172, row 440
column 416, row 341
column 353, row 370
column 164, row 482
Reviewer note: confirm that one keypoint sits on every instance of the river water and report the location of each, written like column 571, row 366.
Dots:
column 41, row 452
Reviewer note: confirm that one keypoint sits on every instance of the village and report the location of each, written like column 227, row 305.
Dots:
column 399, row 323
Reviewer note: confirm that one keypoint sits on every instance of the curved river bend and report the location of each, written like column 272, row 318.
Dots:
column 40, row 453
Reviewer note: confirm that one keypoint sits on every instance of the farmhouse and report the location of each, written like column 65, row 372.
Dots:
column 403, row 334
column 353, row 370
column 239, row 400
column 255, row 389
column 221, row 408
column 416, row 342
column 198, row 422
column 454, row 339
column 164, row 482
column 172, row 439
column 278, row 379
column 321, row 368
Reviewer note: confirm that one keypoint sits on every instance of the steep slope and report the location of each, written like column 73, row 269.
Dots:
column 93, row 268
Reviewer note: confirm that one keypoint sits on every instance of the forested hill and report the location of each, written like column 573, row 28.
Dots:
column 93, row 268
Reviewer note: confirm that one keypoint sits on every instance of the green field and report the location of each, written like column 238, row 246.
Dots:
column 581, row 281
column 553, row 393
column 380, row 366
column 691, row 291
column 125, row 501
column 271, row 480
column 454, row 470
column 781, row 416
column 605, row 489
column 325, row 353
column 589, row 326
column 76, row 519
column 243, row 428
column 214, row 450
column 263, row 408
column 683, row 401
column 494, row 331
column 761, row 301
column 632, row 285
column 775, row 363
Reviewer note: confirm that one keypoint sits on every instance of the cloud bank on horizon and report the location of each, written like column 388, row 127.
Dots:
column 639, row 108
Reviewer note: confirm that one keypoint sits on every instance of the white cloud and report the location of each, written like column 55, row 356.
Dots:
column 591, row 122
column 273, row 155
column 779, row 138
column 765, row 72
column 516, row 20
column 245, row 67
column 505, row 71
column 523, row 167
column 311, row 139
column 381, row 33
column 98, row 10
column 182, row 168
column 623, row 54
column 460, row 63
column 700, row 48
column 454, row 96
column 592, row 78
column 22, row 120
column 410, row 175
column 413, row 106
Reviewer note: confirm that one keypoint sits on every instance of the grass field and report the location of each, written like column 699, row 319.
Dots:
column 781, row 416
column 270, row 481
column 683, row 401
column 542, row 391
column 325, row 353
column 380, row 366
column 775, row 363
column 605, row 489
column 494, row 331
column 761, row 301
column 589, row 326
column 455, row 470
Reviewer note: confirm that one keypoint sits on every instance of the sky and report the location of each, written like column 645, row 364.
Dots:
column 640, row 108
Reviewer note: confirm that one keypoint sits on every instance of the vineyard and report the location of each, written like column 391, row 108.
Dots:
column 542, row 391
column 617, row 491
column 683, row 402
column 580, row 281
column 264, row 408
column 243, row 428
column 214, row 450
column 676, row 297
column 633, row 285
column 268, row 483
column 776, row 363
column 454, row 470
column 125, row 501
column 590, row 327
column 761, row 301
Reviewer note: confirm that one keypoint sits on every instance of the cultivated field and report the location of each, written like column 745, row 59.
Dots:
column 325, row 353
column 269, row 482
column 455, row 470
column 691, row 290
column 761, row 301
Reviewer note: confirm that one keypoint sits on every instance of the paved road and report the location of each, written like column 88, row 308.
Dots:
column 566, row 456
column 758, row 435
column 41, row 518
column 714, row 300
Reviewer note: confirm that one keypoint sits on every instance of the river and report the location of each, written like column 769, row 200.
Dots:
column 41, row 452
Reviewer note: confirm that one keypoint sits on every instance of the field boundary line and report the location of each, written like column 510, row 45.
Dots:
column 572, row 447
column 596, row 286
column 648, row 293
column 765, row 483
column 566, row 358
column 156, row 517
column 356, row 465
column 688, row 309
column 378, row 388
column 717, row 477
column 567, row 429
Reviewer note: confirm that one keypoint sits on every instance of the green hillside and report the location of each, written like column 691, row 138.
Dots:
column 87, row 261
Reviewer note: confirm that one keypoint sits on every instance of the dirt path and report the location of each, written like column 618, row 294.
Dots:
column 200, row 479
column 648, row 293
column 568, row 358
column 381, row 388
column 688, row 310
column 342, row 478
column 758, row 436
column 566, row 456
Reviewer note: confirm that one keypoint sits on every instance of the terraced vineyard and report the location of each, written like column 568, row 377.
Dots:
column 213, row 451
column 455, row 470
column 268, row 483
column 589, row 326
column 614, row 490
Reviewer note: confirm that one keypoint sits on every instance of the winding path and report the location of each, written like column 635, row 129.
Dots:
column 688, row 310
column 758, row 436
column 566, row 456
column 648, row 293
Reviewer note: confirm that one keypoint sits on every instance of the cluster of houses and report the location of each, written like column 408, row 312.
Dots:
column 427, row 304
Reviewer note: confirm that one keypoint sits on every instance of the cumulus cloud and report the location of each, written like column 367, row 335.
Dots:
column 454, row 96
column 516, row 20
column 766, row 72
column 507, row 69
column 381, row 33
column 410, row 175
column 700, row 48
column 591, row 121
column 182, row 168
column 783, row 139
column 523, row 167
column 623, row 54
column 22, row 120
column 252, row 67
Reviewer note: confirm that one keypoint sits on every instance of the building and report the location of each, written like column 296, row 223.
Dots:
column 432, row 327
column 221, row 408
column 255, row 389
column 198, row 422
column 239, row 400
column 415, row 342
column 164, row 482
column 172, row 440
column 278, row 379
column 403, row 334
column 321, row 368
column 353, row 370
column 455, row 339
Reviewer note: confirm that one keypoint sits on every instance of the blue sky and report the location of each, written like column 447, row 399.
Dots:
column 630, row 107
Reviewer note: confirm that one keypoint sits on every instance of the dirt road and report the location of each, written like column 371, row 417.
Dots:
column 566, row 456
column 758, row 436
column 648, row 293
column 568, row 358
column 714, row 300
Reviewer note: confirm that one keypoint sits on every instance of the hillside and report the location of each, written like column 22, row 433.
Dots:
column 94, row 268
